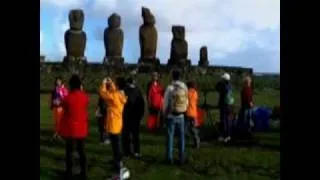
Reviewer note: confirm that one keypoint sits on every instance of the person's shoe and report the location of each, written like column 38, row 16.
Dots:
column 227, row 139
column 137, row 155
column 107, row 142
column 220, row 139
column 124, row 173
column 115, row 177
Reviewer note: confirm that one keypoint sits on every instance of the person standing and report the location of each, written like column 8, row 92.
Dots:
column 115, row 99
column 57, row 95
column 246, row 122
column 192, row 114
column 74, row 125
column 225, row 103
column 155, row 94
column 101, row 114
column 175, row 107
column 132, row 115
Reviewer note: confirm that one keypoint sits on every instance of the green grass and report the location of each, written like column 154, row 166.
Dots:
column 212, row 161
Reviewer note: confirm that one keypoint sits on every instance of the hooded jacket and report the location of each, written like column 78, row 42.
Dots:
column 115, row 100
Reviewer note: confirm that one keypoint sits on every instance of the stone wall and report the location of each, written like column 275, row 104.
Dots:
column 53, row 67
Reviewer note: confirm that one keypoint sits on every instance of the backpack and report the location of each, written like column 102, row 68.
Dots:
column 155, row 97
column 229, row 100
column 179, row 99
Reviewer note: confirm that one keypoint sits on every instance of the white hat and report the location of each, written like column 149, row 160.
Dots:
column 226, row 76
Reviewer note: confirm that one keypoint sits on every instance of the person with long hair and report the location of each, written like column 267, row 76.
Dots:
column 74, row 125
column 57, row 95
column 115, row 99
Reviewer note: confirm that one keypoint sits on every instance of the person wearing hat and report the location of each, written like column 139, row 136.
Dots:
column 224, row 90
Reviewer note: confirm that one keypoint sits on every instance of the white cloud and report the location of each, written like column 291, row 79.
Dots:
column 63, row 28
column 64, row 3
column 41, row 40
column 41, row 37
column 225, row 26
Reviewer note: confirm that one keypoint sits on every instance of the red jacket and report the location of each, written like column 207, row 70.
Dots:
column 246, row 96
column 74, row 123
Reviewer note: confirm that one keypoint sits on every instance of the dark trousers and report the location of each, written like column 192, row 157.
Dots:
column 191, row 128
column 226, row 121
column 115, row 144
column 131, row 134
column 245, row 120
column 80, row 149
column 101, row 129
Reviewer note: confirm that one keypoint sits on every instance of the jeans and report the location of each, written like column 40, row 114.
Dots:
column 115, row 144
column 245, row 123
column 190, row 127
column 172, row 123
column 82, row 155
column 131, row 129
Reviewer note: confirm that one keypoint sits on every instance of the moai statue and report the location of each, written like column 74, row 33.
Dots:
column 203, row 61
column 75, row 42
column 148, row 38
column 179, row 48
column 113, row 41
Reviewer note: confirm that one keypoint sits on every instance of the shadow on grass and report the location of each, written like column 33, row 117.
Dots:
column 51, row 173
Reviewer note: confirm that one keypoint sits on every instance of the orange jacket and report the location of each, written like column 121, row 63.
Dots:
column 193, row 103
column 115, row 101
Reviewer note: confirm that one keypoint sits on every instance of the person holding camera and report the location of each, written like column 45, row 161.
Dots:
column 115, row 100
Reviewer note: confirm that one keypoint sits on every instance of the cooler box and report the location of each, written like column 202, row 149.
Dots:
column 261, row 118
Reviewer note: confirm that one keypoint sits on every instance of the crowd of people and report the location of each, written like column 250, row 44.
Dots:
column 121, row 107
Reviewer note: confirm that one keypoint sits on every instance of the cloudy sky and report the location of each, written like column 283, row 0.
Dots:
column 236, row 32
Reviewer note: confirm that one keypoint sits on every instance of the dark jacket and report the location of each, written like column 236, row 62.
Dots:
column 222, row 89
column 135, row 106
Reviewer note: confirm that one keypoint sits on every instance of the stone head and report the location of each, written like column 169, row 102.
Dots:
column 114, row 21
column 178, row 32
column 148, row 18
column 76, row 19
column 204, row 52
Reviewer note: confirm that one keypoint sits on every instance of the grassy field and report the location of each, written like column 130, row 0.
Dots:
column 212, row 161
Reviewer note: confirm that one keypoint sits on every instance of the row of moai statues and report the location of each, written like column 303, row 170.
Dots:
column 75, row 42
